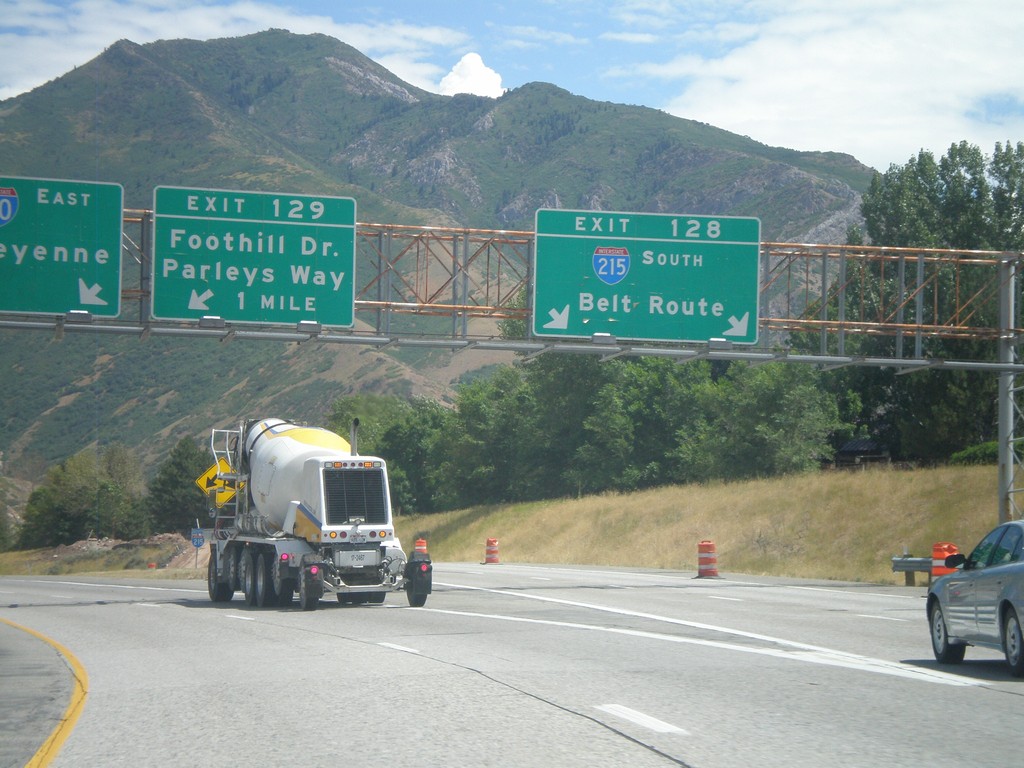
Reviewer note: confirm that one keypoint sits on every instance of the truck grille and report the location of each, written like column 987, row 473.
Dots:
column 352, row 494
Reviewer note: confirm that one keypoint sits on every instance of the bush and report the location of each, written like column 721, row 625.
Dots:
column 985, row 453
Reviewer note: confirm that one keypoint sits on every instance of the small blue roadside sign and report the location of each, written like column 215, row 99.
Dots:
column 197, row 537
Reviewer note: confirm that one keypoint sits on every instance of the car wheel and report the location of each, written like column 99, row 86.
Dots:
column 945, row 652
column 1013, row 643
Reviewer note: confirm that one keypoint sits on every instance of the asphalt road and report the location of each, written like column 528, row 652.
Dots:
column 507, row 665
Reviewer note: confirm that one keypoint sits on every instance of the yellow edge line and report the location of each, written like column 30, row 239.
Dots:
column 48, row 751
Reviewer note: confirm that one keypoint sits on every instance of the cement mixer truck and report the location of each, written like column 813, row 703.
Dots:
column 298, row 511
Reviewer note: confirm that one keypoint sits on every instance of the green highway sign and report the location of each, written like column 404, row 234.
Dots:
column 646, row 276
column 60, row 246
column 253, row 257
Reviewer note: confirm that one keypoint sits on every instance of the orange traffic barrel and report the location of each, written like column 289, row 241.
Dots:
column 421, row 546
column 491, row 551
column 940, row 552
column 707, row 559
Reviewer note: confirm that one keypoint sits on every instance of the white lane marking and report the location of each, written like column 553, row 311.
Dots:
column 672, row 580
column 653, row 723
column 540, row 578
column 399, row 648
column 847, row 593
column 150, row 605
column 239, row 618
column 719, row 597
column 792, row 649
column 883, row 618
column 61, row 597
column 118, row 586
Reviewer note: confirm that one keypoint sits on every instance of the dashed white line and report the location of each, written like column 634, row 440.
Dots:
column 653, row 723
column 399, row 648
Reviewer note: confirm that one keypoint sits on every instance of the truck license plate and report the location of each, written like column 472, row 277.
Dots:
column 356, row 558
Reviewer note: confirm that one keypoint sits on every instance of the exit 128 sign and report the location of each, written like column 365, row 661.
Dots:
column 646, row 277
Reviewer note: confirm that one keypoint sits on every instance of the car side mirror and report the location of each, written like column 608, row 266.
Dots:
column 955, row 561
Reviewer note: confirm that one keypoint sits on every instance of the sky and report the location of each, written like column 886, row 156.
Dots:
column 878, row 79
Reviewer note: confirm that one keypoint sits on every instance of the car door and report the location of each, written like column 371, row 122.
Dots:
column 989, row 582
column 961, row 590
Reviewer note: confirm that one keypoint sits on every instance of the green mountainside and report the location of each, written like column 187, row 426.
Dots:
column 307, row 113
column 275, row 111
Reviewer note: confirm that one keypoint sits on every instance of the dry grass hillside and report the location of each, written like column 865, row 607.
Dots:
column 833, row 525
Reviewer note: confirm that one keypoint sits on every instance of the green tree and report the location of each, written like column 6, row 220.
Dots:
column 89, row 493
column 376, row 414
column 411, row 448
column 961, row 201
column 759, row 422
column 174, row 501
column 1007, row 172
column 488, row 452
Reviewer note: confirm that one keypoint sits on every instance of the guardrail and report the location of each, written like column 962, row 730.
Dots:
column 910, row 566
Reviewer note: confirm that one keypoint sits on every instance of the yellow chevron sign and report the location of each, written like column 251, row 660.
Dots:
column 210, row 481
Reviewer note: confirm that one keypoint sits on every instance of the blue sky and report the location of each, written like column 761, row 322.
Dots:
column 878, row 79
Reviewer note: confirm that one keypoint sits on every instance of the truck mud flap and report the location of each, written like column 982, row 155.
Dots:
column 418, row 579
column 311, row 588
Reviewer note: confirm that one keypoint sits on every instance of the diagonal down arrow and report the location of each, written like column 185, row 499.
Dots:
column 91, row 296
column 559, row 320
column 199, row 302
column 737, row 327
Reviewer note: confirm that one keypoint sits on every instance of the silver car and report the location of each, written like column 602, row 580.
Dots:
column 982, row 603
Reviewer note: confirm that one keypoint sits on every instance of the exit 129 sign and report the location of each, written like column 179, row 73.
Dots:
column 256, row 257
column 646, row 277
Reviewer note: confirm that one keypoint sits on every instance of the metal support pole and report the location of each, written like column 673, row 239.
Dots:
column 1007, row 353
column 824, row 304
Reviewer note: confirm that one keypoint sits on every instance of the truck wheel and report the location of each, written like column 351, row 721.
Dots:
column 246, row 573
column 231, row 555
column 376, row 598
column 219, row 592
column 264, row 582
column 286, row 593
column 416, row 599
column 309, row 595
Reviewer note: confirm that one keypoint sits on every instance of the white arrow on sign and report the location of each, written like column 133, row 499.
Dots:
column 737, row 327
column 199, row 302
column 87, row 295
column 559, row 320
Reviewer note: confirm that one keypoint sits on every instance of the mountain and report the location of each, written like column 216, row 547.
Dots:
column 276, row 111
column 307, row 113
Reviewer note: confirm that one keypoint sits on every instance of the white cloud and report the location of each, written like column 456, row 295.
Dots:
column 640, row 38
column 471, row 75
column 878, row 80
